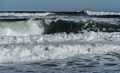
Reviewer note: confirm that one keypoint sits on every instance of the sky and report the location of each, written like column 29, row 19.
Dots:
column 59, row 5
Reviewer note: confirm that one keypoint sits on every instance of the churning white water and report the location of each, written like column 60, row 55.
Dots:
column 25, row 49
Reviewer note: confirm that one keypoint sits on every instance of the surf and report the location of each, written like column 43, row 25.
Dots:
column 56, row 37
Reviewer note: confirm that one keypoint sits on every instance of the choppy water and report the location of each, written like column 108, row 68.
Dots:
column 60, row 42
column 107, row 63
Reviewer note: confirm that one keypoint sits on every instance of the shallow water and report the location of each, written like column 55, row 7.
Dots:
column 62, row 53
column 108, row 63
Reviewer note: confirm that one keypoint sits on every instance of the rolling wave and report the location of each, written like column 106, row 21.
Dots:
column 39, row 27
column 58, row 36
column 20, row 28
column 25, row 14
column 61, row 26
column 101, row 13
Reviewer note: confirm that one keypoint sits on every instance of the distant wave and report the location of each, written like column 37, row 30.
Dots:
column 101, row 13
column 24, row 14
column 88, row 12
column 40, row 13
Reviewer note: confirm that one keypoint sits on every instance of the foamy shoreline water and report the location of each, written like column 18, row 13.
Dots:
column 24, row 47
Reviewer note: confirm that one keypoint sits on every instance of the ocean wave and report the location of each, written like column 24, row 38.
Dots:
column 21, row 28
column 61, row 26
column 25, row 14
column 64, row 13
column 30, row 45
column 58, row 37
column 52, row 26
column 101, row 13
column 56, row 46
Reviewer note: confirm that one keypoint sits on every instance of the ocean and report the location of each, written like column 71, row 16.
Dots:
column 59, row 42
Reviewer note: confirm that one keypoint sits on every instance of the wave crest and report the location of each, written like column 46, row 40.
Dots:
column 101, row 13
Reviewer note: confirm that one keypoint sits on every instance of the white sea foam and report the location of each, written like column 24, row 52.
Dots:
column 101, row 13
column 57, row 46
column 21, row 28
column 25, row 14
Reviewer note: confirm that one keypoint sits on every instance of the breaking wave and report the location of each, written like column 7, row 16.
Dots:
column 24, row 14
column 38, row 27
column 61, row 26
column 56, row 46
column 101, row 13
column 20, row 28
column 56, row 36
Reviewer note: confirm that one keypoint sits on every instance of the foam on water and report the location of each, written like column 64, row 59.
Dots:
column 25, row 14
column 24, row 41
column 56, row 46
column 21, row 28
column 24, row 47
column 101, row 13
